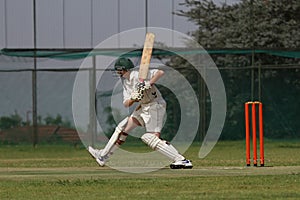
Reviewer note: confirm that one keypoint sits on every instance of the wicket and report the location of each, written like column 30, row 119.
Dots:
column 261, row 133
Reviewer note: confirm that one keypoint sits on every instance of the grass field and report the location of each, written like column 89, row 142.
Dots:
column 65, row 172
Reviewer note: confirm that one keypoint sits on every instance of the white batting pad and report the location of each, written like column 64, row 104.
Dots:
column 111, row 144
column 162, row 146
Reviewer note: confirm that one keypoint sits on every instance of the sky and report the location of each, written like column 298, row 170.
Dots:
column 78, row 23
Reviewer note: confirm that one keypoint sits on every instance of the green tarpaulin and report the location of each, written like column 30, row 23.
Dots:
column 82, row 53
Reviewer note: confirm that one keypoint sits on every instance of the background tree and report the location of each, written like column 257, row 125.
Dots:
column 251, row 24
column 12, row 121
column 58, row 120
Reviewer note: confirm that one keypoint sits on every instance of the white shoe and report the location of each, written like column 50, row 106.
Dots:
column 96, row 153
column 101, row 160
column 182, row 164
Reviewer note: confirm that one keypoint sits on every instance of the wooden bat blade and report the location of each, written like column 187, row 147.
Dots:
column 146, row 56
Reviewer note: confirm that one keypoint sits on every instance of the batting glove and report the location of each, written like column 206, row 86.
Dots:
column 144, row 85
column 137, row 95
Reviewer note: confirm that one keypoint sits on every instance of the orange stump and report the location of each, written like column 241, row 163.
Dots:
column 248, row 161
column 261, row 136
column 254, row 133
column 254, row 146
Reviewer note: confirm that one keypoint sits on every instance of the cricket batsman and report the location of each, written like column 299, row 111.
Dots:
column 148, row 114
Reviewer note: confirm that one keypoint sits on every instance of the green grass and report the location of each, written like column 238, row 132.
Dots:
column 65, row 172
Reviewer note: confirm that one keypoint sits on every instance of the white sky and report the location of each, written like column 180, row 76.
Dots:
column 72, row 23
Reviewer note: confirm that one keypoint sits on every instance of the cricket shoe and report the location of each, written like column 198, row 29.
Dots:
column 182, row 164
column 96, row 153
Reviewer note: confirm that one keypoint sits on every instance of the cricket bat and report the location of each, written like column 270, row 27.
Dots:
column 146, row 56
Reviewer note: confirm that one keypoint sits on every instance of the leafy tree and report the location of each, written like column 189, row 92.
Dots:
column 12, row 121
column 251, row 24
column 58, row 120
